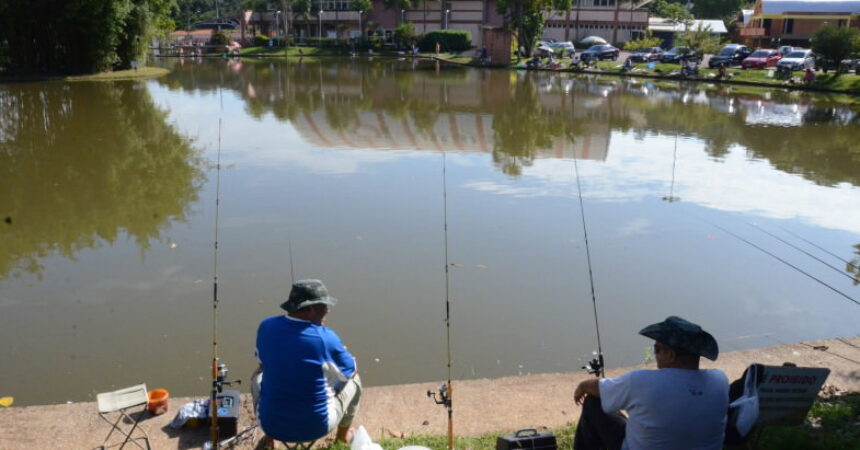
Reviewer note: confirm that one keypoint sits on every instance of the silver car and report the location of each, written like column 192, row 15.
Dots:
column 798, row 59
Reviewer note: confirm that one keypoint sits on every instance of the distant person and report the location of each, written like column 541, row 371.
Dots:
column 809, row 76
column 677, row 406
column 306, row 384
column 438, row 48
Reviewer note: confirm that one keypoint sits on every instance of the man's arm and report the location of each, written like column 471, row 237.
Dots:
column 588, row 387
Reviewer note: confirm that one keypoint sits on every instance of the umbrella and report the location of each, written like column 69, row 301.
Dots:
column 593, row 40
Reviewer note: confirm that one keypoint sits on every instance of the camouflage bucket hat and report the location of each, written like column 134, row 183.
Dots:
column 683, row 335
column 307, row 293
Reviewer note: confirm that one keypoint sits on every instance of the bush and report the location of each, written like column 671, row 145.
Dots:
column 449, row 40
column 261, row 41
column 324, row 42
column 219, row 38
column 643, row 42
column 832, row 44
column 404, row 34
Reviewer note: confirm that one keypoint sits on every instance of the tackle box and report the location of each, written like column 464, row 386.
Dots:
column 527, row 438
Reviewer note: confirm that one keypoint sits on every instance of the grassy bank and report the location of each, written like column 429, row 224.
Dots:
column 132, row 74
column 833, row 423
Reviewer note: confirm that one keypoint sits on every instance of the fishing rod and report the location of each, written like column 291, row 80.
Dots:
column 219, row 370
column 836, row 269
column 290, row 248
column 595, row 366
column 772, row 255
column 445, row 390
column 847, row 262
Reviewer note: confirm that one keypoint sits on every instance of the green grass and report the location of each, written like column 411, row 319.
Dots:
column 292, row 51
column 143, row 72
column 833, row 423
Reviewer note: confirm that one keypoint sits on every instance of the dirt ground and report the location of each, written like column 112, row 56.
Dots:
column 480, row 406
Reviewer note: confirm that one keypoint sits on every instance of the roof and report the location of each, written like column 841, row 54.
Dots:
column 810, row 6
column 661, row 24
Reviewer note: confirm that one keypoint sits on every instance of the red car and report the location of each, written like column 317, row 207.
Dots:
column 761, row 59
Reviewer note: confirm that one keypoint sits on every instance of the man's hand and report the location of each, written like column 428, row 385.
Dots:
column 586, row 388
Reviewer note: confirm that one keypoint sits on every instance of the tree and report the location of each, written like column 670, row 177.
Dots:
column 716, row 9
column 525, row 18
column 701, row 39
column 646, row 41
column 404, row 34
column 832, row 44
column 675, row 12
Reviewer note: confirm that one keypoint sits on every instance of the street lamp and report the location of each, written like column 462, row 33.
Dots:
column 320, row 16
column 360, row 31
column 447, row 11
column 402, row 15
column 278, row 24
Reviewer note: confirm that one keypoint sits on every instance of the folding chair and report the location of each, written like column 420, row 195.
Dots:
column 119, row 403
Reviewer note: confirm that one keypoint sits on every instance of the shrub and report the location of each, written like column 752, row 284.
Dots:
column 219, row 38
column 324, row 42
column 449, row 40
column 832, row 44
column 643, row 42
column 261, row 41
column 404, row 34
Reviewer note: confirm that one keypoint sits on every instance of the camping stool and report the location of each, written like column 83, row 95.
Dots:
column 299, row 445
column 119, row 402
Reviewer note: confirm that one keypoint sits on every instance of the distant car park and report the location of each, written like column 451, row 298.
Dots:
column 676, row 54
column 601, row 52
column 799, row 59
column 730, row 55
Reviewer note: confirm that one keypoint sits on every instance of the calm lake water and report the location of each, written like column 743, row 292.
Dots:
column 733, row 207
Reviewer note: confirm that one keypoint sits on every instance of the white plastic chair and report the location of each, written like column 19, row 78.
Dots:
column 119, row 403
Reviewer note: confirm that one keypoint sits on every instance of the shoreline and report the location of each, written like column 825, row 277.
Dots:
column 481, row 406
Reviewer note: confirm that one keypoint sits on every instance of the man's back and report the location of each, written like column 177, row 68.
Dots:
column 304, row 366
column 670, row 408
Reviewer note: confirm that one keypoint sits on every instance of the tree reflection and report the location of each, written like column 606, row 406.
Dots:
column 83, row 163
column 533, row 115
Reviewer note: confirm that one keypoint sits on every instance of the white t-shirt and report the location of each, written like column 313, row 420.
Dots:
column 670, row 408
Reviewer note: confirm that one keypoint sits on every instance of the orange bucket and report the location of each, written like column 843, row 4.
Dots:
column 158, row 401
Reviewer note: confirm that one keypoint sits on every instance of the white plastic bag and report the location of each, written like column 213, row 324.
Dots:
column 747, row 405
column 361, row 441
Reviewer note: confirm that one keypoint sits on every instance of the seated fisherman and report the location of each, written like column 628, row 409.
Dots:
column 311, row 385
column 678, row 406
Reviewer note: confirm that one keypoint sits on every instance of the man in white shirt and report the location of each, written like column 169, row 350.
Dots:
column 678, row 406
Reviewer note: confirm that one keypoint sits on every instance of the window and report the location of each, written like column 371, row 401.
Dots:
column 787, row 26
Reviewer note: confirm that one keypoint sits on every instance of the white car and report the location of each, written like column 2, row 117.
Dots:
column 798, row 59
column 568, row 47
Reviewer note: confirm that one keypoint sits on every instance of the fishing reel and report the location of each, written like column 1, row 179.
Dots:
column 444, row 397
column 220, row 379
column 595, row 366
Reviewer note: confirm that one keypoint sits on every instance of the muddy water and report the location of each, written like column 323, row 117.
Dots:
column 733, row 207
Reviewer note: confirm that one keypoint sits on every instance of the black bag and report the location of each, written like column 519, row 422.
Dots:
column 527, row 438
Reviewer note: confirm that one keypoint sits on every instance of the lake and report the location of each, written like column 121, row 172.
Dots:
column 731, row 206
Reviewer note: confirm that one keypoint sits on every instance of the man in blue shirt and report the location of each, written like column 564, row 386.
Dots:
column 311, row 385
column 677, row 407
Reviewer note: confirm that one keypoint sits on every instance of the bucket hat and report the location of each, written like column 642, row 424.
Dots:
column 307, row 293
column 683, row 335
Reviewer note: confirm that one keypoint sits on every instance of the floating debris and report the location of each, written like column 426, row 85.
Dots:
column 481, row 266
column 6, row 401
column 359, row 238
column 173, row 245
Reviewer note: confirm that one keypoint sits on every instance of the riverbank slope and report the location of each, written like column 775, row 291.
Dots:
column 480, row 406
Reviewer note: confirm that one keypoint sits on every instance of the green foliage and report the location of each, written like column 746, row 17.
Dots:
column 674, row 11
column 526, row 18
column 700, row 39
column 219, row 38
column 832, row 44
column 261, row 40
column 644, row 42
column 361, row 5
column 79, row 36
column 324, row 42
column 404, row 34
column 716, row 9
column 449, row 40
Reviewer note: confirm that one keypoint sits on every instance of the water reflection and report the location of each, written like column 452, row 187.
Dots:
column 83, row 164
column 520, row 116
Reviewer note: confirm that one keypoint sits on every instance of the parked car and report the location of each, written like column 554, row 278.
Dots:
column 646, row 54
column 601, row 52
column 676, row 54
column 761, row 59
column 786, row 49
column 799, row 59
column 730, row 55
column 567, row 47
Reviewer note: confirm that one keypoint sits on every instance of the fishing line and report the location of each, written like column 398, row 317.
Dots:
column 813, row 277
column 290, row 247
column 840, row 271
column 592, row 368
column 850, row 263
column 445, row 390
